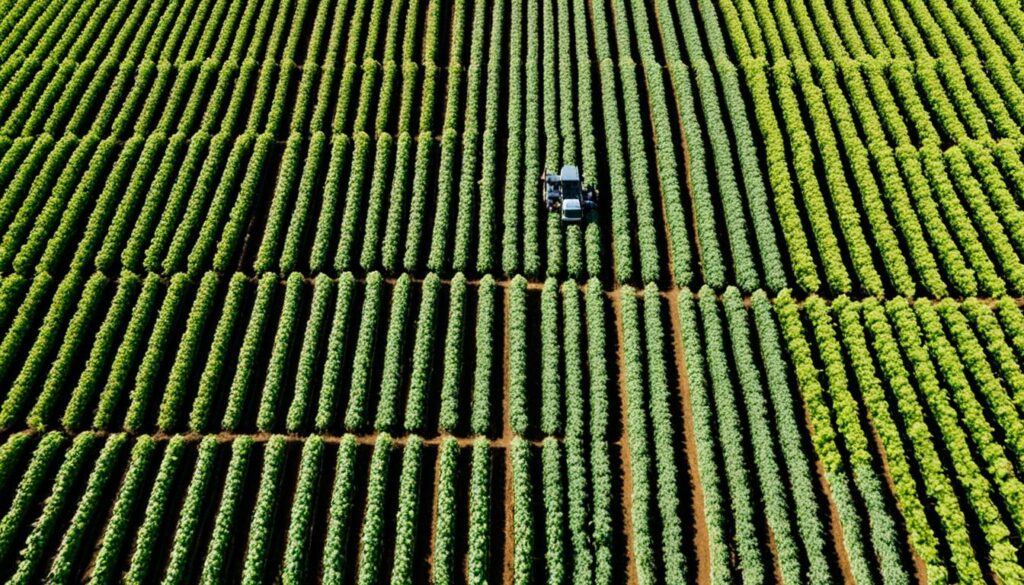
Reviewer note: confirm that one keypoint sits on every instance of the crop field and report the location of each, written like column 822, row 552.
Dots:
column 281, row 299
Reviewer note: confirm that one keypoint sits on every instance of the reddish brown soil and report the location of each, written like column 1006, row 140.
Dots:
column 506, row 435
column 702, row 544
column 776, row 568
column 627, row 468
column 835, row 528
column 433, row 517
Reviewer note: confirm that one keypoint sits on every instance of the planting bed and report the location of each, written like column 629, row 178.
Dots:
column 280, row 300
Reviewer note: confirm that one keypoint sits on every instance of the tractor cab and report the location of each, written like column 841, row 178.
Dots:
column 565, row 193
column 572, row 211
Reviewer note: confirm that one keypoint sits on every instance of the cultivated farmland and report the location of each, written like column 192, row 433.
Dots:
column 281, row 299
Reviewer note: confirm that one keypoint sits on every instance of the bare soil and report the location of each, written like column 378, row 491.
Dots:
column 701, row 542
column 835, row 528
column 626, row 469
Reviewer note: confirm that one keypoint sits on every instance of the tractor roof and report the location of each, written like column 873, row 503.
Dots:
column 570, row 173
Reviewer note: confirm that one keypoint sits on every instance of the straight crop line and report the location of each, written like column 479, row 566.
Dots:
column 611, row 293
column 361, row 439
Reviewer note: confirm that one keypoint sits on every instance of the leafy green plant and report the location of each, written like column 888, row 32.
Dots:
column 140, row 568
column 451, row 377
column 340, row 512
column 189, row 518
column 256, row 551
column 227, row 511
column 422, row 355
column 336, row 346
column 356, row 416
column 408, row 508
column 277, row 367
column 301, row 523
column 371, row 537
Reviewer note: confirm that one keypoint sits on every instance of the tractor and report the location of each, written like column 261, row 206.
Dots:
column 565, row 193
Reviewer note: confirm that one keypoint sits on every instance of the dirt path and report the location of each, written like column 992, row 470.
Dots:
column 774, row 552
column 702, row 542
column 835, row 528
column 506, row 436
column 433, row 515
column 627, row 466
